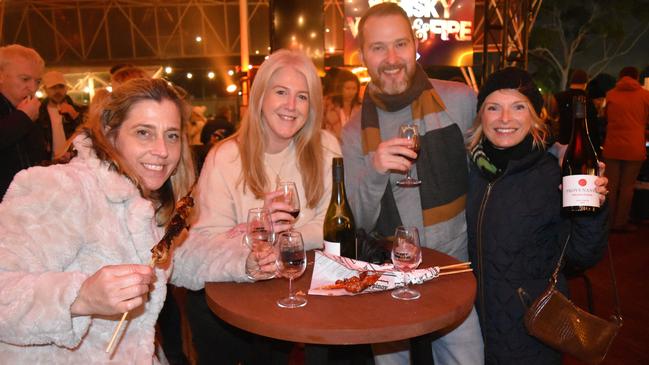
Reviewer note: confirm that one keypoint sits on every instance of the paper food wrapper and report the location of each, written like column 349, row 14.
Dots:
column 329, row 268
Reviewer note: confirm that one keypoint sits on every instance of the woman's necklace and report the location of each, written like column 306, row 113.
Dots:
column 278, row 171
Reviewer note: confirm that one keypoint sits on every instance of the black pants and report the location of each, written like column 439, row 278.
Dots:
column 217, row 342
column 170, row 330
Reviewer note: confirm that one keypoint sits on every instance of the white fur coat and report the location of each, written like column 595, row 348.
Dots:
column 59, row 225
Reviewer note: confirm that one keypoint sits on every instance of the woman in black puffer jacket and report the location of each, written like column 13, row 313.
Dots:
column 516, row 230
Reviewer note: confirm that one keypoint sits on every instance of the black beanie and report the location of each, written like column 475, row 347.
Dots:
column 512, row 78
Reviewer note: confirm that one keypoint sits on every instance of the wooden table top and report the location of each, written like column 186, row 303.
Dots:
column 345, row 320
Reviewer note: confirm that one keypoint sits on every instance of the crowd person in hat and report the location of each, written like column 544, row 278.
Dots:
column 627, row 113
column 76, row 238
column 22, row 144
column 58, row 115
column 375, row 159
column 514, row 197
column 215, row 129
column 577, row 87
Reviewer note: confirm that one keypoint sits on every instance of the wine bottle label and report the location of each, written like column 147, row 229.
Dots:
column 332, row 248
column 579, row 191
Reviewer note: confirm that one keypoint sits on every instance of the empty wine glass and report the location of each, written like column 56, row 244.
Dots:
column 259, row 232
column 290, row 197
column 410, row 131
column 291, row 263
column 406, row 256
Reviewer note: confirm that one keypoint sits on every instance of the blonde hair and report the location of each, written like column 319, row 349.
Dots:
column 103, row 123
column 11, row 52
column 539, row 129
column 252, row 136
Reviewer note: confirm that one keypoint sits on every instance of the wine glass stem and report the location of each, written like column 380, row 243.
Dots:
column 408, row 174
column 405, row 280
column 290, row 287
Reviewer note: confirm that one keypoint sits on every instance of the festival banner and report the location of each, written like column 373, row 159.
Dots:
column 443, row 29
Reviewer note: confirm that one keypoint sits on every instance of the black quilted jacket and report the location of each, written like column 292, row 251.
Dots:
column 515, row 237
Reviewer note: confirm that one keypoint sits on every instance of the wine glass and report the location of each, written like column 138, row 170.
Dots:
column 259, row 231
column 290, row 197
column 406, row 256
column 410, row 131
column 291, row 263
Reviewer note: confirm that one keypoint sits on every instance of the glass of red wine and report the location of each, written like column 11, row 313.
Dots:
column 291, row 264
column 406, row 256
column 291, row 198
column 410, row 131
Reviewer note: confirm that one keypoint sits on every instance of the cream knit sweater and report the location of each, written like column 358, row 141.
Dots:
column 222, row 202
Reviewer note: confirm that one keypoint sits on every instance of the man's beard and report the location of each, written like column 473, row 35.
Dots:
column 389, row 85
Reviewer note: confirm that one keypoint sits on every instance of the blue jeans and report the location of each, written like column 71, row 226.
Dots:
column 462, row 346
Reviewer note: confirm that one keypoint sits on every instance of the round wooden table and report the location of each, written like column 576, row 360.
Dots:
column 345, row 320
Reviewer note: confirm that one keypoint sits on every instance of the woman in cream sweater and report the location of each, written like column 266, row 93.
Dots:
column 279, row 139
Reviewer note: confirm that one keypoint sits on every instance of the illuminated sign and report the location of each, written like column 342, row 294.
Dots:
column 443, row 29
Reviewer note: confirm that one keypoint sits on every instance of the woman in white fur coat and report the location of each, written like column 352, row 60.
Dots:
column 75, row 239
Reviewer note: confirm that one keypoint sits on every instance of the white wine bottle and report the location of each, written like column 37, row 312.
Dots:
column 339, row 229
column 580, row 165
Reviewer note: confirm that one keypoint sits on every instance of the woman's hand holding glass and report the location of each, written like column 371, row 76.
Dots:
column 281, row 210
column 291, row 198
column 261, row 264
column 260, row 238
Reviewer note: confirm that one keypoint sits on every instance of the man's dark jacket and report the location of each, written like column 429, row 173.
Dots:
column 21, row 143
column 69, row 124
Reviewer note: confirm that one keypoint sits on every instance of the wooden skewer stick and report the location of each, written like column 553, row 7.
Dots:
column 112, row 339
column 119, row 325
column 160, row 252
column 462, row 264
column 454, row 272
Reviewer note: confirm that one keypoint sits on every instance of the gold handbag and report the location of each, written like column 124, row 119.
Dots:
column 560, row 324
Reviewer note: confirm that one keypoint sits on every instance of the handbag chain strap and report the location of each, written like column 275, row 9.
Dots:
column 617, row 317
column 618, row 312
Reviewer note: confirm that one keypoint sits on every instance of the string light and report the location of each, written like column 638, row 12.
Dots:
column 39, row 94
column 189, row 75
column 210, row 75
column 168, row 70
column 230, row 72
column 231, row 88
column 199, row 39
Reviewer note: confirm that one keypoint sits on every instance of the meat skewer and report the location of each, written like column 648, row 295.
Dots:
column 364, row 280
column 160, row 252
column 355, row 284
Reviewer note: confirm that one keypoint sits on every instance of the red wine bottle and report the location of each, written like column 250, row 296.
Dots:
column 580, row 165
column 339, row 229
